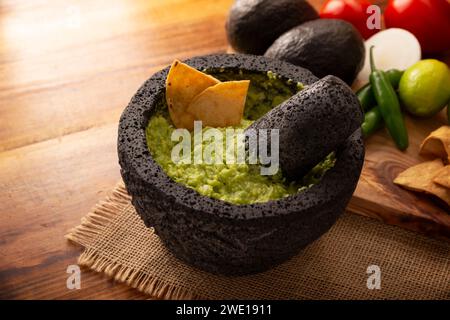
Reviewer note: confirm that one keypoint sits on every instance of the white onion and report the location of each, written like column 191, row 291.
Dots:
column 393, row 49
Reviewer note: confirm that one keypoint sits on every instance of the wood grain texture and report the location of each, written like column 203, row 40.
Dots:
column 378, row 197
column 47, row 188
column 66, row 68
column 66, row 73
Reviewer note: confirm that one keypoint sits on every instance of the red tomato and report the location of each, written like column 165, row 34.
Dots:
column 428, row 20
column 353, row 11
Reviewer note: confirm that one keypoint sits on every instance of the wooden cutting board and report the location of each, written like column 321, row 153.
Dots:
column 378, row 197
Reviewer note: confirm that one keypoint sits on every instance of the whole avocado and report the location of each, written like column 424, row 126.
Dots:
column 253, row 25
column 324, row 46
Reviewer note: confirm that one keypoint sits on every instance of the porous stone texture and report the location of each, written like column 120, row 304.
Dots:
column 213, row 235
column 312, row 124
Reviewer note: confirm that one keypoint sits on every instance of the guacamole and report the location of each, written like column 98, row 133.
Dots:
column 234, row 183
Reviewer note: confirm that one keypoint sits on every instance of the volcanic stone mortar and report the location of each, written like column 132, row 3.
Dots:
column 214, row 235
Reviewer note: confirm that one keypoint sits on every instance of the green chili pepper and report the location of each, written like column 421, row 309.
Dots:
column 389, row 105
column 394, row 76
column 372, row 121
column 365, row 94
column 366, row 98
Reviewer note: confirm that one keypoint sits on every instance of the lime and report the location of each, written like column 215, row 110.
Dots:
column 425, row 87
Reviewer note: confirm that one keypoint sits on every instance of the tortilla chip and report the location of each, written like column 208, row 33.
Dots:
column 437, row 143
column 182, row 85
column 221, row 105
column 443, row 177
column 420, row 178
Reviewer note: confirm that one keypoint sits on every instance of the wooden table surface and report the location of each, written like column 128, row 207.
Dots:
column 67, row 70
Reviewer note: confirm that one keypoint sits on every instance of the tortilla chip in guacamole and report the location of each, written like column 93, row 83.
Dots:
column 221, row 105
column 182, row 85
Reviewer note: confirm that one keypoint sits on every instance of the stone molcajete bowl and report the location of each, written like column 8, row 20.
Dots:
column 217, row 236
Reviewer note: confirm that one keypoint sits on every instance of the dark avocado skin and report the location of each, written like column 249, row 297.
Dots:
column 323, row 46
column 213, row 235
column 253, row 25
column 312, row 124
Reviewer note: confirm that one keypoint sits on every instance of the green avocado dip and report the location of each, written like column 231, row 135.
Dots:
column 234, row 183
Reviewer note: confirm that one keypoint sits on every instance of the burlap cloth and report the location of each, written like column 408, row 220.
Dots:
column 412, row 266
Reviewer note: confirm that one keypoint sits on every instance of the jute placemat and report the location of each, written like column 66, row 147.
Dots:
column 412, row 266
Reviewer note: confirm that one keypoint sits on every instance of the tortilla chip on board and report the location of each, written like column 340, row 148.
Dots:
column 443, row 177
column 221, row 105
column 437, row 143
column 420, row 178
column 183, row 83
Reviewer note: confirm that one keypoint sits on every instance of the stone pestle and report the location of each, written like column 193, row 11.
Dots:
column 312, row 123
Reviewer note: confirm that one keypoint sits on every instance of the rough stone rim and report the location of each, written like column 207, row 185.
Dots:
column 135, row 117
